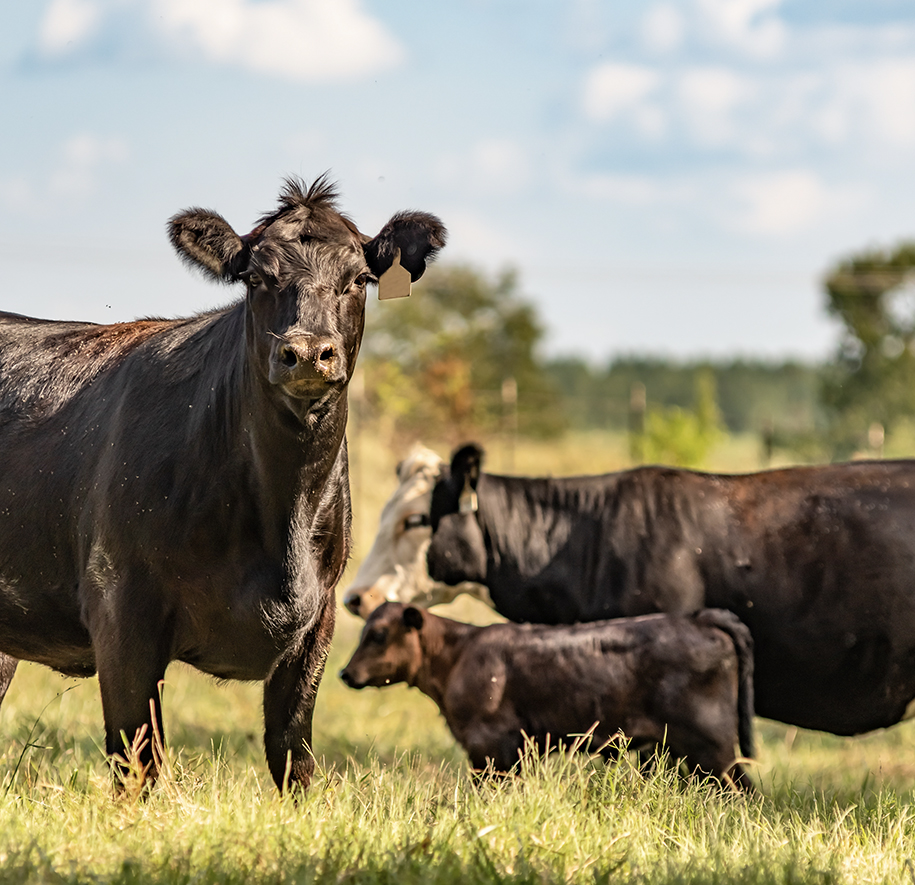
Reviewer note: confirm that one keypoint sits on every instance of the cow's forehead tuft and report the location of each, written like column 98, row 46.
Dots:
column 307, row 213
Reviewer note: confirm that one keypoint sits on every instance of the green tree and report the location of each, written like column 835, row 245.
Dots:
column 684, row 437
column 435, row 363
column 872, row 379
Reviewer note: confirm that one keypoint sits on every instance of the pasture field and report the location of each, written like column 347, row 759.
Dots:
column 393, row 800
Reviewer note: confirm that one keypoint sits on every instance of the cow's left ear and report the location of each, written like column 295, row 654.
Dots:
column 418, row 236
column 412, row 618
column 466, row 466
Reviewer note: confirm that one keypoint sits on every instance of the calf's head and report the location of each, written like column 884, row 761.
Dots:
column 306, row 268
column 457, row 551
column 389, row 649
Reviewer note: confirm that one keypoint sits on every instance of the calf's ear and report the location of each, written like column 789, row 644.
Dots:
column 206, row 241
column 412, row 618
column 418, row 236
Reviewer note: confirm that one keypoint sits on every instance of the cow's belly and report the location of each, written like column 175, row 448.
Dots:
column 845, row 683
column 241, row 635
column 44, row 626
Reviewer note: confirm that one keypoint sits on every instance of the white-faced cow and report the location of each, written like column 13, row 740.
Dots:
column 395, row 568
column 684, row 681
column 819, row 562
column 178, row 489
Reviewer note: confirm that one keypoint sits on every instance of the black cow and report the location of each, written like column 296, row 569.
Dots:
column 819, row 562
column 178, row 489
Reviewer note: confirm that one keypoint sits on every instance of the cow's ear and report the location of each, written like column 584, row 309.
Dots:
column 418, row 236
column 466, row 465
column 412, row 618
column 206, row 241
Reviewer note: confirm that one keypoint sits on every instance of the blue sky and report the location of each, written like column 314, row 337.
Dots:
column 667, row 177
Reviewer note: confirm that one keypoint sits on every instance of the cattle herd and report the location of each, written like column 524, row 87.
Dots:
column 178, row 490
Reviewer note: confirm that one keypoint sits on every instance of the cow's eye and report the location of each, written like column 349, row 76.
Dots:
column 415, row 521
column 378, row 637
column 252, row 279
column 363, row 280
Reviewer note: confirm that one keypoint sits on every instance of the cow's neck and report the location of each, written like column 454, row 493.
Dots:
column 525, row 521
column 442, row 641
column 280, row 461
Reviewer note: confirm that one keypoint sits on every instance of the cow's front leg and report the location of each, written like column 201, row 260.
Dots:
column 132, row 641
column 7, row 672
column 289, row 701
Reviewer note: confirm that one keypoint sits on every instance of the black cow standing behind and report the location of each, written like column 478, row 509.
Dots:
column 178, row 489
column 819, row 563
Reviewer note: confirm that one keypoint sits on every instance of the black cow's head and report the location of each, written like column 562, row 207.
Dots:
column 306, row 267
column 458, row 551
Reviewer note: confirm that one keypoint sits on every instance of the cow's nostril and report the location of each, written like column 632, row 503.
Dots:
column 288, row 357
column 326, row 355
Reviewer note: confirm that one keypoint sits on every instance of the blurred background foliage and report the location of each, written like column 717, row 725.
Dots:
column 463, row 359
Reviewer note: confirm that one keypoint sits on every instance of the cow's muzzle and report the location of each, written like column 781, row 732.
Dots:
column 305, row 364
column 350, row 680
column 362, row 601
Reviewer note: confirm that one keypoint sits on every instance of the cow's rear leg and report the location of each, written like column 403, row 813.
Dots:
column 7, row 672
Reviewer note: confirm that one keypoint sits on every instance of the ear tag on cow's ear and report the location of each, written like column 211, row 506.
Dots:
column 468, row 503
column 395, row 282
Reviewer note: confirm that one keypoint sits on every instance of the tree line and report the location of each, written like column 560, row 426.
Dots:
column 464, row 359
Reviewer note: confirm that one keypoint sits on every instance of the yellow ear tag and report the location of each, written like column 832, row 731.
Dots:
column 395, row 282
column 467, row 503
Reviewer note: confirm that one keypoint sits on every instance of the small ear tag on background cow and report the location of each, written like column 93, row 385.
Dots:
column 467, row 503
column 395, row 282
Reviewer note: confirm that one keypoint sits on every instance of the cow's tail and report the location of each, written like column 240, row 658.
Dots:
column 729, row 623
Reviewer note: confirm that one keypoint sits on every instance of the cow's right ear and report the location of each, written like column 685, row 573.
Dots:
column 206, row 241
column 412, row 618
column 466, row 466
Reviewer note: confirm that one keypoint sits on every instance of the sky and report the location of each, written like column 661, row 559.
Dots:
column 668, row 178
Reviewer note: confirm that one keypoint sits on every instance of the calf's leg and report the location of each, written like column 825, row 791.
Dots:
column 290, row 692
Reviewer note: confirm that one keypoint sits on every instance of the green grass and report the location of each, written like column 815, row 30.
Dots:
column 393, row 800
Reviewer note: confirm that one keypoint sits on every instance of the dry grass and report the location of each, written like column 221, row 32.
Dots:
column 393, row 801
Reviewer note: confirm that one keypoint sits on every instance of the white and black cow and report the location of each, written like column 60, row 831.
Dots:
column 394, row 570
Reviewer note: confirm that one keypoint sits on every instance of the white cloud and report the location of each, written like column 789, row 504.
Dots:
column 633, row 190
column 491, row 165
column 747, row 25
column 873, row 101
column 709, row 98
column 615, row 87
column 663, row 27
column 473, row 236
column 300, row 39
column 790, row 202
column 67, row 22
